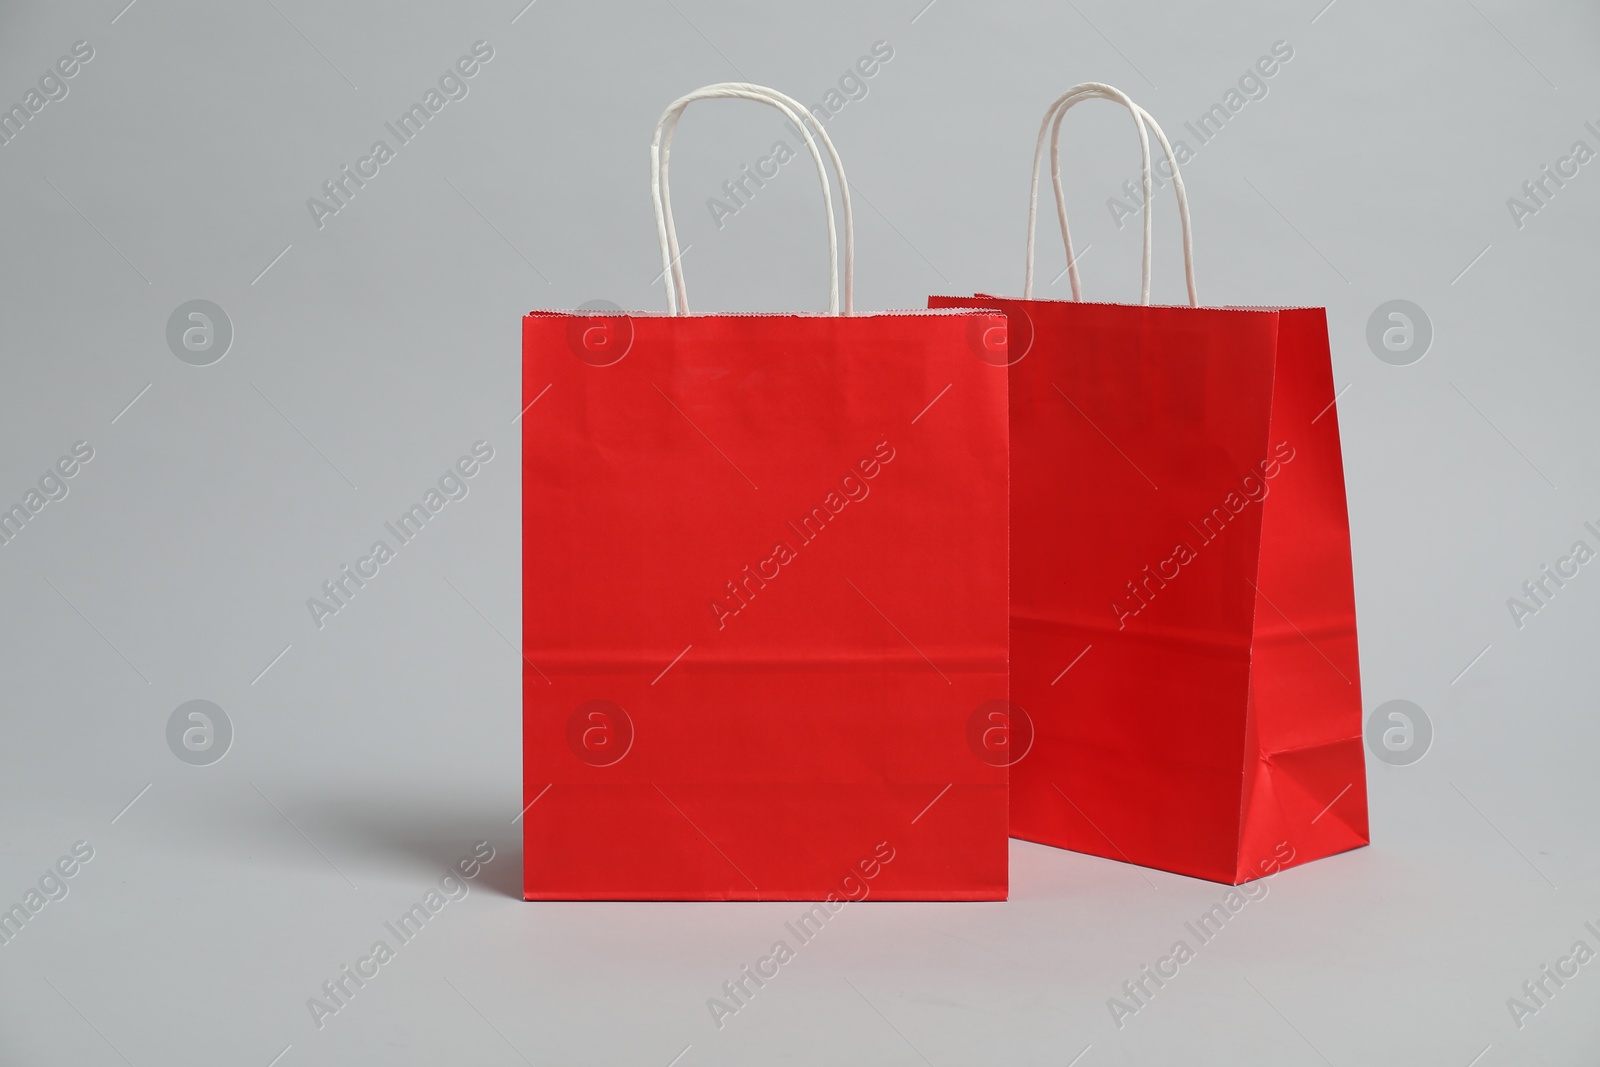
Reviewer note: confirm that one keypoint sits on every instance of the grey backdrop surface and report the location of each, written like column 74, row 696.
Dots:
column 369, row 353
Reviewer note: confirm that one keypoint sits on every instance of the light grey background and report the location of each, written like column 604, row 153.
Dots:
column 370, row 354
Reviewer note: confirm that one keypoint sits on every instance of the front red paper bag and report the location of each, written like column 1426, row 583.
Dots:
column 1183, row 632
column 764, row 594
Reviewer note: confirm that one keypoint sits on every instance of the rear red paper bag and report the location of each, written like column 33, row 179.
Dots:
column 1183, row 632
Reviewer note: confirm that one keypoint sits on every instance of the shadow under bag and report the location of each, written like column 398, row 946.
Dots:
column 1183, row 631
column 764, row 587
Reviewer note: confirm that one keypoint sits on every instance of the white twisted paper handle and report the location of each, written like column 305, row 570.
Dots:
column 806, row 123
column 1142, row 122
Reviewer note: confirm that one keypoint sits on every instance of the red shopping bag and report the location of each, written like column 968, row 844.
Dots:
column 1183, row 632
column 764, row 584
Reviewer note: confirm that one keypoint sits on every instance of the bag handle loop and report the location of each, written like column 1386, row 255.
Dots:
column 805, row 123
column 1053, row 118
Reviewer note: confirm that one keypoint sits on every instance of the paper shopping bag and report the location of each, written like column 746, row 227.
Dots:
column 1183, row 631
column 764, row 585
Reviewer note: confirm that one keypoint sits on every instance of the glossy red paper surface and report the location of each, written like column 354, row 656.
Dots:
column 780, row 750
column 1206, row 718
